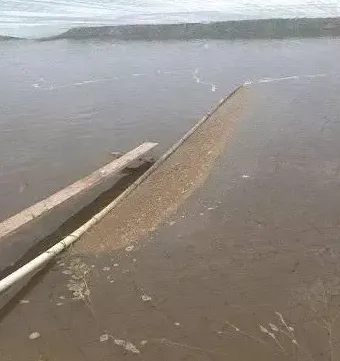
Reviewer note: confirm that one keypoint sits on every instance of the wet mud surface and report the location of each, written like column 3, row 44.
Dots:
column 244, row 266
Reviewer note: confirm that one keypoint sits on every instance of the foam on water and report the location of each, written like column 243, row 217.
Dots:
column 27, row 18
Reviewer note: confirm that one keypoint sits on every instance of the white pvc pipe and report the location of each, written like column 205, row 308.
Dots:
column 38, row 262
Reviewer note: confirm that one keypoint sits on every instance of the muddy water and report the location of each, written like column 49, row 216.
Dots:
column 65, row 106
column 246, row 268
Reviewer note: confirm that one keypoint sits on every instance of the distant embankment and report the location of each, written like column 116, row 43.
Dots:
column 5, row 38
column 245, row 29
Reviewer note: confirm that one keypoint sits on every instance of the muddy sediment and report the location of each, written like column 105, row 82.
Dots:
column 168, row 187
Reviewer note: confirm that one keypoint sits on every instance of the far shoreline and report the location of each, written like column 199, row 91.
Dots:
column 275, row 28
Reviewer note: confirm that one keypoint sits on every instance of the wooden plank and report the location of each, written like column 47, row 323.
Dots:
column 12, row 224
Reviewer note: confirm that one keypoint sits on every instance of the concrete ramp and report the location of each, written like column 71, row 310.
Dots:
column 229, row 250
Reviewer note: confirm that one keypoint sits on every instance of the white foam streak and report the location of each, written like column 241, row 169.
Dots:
column 80, row 83
column 285, row 78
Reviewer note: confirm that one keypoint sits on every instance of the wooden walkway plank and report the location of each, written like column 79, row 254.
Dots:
column 78, row 188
